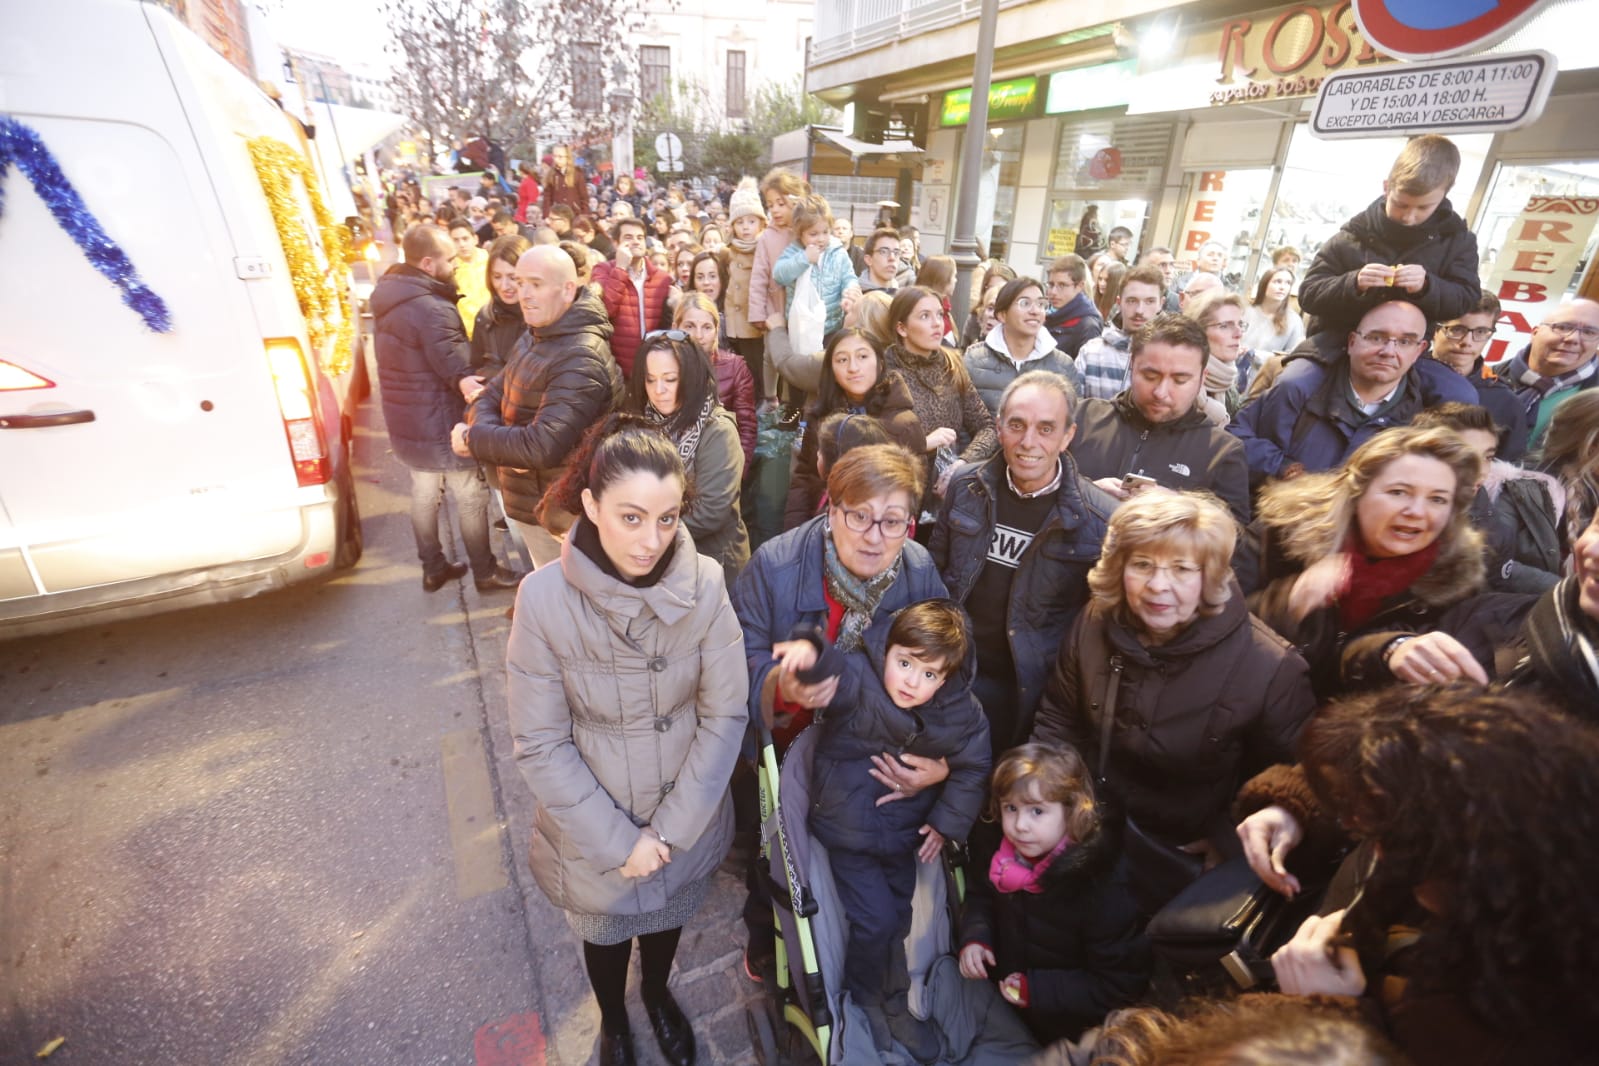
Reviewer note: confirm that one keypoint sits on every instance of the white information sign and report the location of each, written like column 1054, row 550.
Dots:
column 1482, row 94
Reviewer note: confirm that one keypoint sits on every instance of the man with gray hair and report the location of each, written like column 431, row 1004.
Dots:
column 559, row 381
column 1014, row 542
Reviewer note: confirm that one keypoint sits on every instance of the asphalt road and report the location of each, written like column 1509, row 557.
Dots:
column 289, row 830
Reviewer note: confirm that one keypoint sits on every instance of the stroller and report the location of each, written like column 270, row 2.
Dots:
column 807, row 998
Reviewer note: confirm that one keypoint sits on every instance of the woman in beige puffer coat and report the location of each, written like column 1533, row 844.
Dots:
column 628, row 702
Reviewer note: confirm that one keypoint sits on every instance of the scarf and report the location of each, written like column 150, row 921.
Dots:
column 1010, row 872
column 1563, row 645
column 859, row 599
column 1219, row 376
column 744, row 247
column 689, row 442
column 1519, row 371
column 1373, row 580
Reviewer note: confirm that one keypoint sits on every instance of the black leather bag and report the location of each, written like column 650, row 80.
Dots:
column 1222, row 929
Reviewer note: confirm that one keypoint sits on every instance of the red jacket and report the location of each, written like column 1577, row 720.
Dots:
column 621, row 304
column 527, row 194
column 735, row 388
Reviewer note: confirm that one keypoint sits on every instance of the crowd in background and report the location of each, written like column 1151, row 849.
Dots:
column 1116, row 574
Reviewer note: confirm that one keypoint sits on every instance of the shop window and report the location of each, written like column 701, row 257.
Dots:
column 996, row 192
column 1114, row 165
column 1536, row 236
column 1225, row 207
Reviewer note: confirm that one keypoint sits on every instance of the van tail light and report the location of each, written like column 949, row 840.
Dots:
column 14, row 378
column 308, row 443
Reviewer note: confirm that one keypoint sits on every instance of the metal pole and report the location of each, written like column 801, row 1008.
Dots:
column 964, row 247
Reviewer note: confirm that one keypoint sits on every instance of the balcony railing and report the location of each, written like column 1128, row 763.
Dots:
column 845, row 27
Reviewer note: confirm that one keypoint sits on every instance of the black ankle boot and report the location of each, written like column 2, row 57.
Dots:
column 616, row 1047
column 672, row 1029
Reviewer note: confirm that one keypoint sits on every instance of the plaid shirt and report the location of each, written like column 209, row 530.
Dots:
column 1102, row 365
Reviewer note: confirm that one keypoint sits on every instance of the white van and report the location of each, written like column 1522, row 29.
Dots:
column 142, row 471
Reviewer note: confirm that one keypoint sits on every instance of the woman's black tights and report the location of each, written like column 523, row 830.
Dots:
column 607, row 969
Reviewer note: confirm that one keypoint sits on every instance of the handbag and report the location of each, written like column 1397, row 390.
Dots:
column 799, row 358
column 1156, row 870
column 1220, row 932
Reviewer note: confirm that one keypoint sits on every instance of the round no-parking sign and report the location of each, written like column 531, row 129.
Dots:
column 1428, row 29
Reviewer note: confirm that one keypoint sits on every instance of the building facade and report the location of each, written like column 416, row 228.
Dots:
column 1188, row 123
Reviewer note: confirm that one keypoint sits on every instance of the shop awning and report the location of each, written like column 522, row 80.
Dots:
column 352, row 131
column 863, row 149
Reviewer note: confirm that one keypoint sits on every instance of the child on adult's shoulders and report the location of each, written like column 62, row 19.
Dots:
column 1409, row 244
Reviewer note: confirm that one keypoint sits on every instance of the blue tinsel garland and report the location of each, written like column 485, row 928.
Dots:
column 22, row 146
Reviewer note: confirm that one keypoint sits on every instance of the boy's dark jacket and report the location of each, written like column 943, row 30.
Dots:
column 1443, row 245
column 1079, row 941
column 862, row 721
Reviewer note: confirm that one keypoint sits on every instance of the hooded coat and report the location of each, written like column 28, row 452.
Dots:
column 1195, row 717
column 1273, row 559
column 422, row 355
column 863, row 721
column 1443, row 245
column 1078, row 941
column 627, row 707
column 561, row 380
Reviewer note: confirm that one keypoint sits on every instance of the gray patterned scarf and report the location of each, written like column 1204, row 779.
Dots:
column 860, row 599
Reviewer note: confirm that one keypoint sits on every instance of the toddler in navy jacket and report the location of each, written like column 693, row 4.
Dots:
column 908, row 691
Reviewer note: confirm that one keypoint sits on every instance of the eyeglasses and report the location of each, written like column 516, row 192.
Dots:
column 1566, row 329
column 1026, row 303
column 1407, row 343
column 893, row 526
column 676, row 336
column 886, row 250
column 1459, row 333
column 1144, row 569
column 1226, row 327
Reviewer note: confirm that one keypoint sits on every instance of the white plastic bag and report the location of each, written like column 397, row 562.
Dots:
column 807, row 318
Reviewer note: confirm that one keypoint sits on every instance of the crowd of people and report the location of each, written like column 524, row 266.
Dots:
column 1116, row 576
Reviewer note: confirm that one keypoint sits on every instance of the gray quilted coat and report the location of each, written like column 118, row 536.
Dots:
column 627, row 707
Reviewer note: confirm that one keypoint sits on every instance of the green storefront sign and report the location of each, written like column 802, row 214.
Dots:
column 1007, row 100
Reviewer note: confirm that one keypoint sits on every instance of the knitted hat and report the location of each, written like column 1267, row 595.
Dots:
column 746, row 200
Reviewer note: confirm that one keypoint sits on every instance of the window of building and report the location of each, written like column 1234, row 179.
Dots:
column 655, row 73
column 735, row 85
column 1114, row 165
column 587, row 80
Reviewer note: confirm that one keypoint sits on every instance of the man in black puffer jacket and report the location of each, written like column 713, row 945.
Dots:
column 560, row 381
column 1153, row 428
column 422, row 359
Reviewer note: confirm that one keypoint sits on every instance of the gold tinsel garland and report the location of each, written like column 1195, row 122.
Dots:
column 322, row 298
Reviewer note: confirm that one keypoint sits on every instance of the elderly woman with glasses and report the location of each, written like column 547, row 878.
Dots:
column 846, row 572
column 1172, row 691
column 1017, row 343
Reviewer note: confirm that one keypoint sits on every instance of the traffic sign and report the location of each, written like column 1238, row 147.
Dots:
column 669, row 150
column 1432, row 29
column 1483, row 94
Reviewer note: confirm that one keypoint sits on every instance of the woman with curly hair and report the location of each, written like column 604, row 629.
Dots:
column 1171, row 690
column 1473, row 935
column 1358, row 566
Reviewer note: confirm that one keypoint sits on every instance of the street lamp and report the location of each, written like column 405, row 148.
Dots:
column 963, row 249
